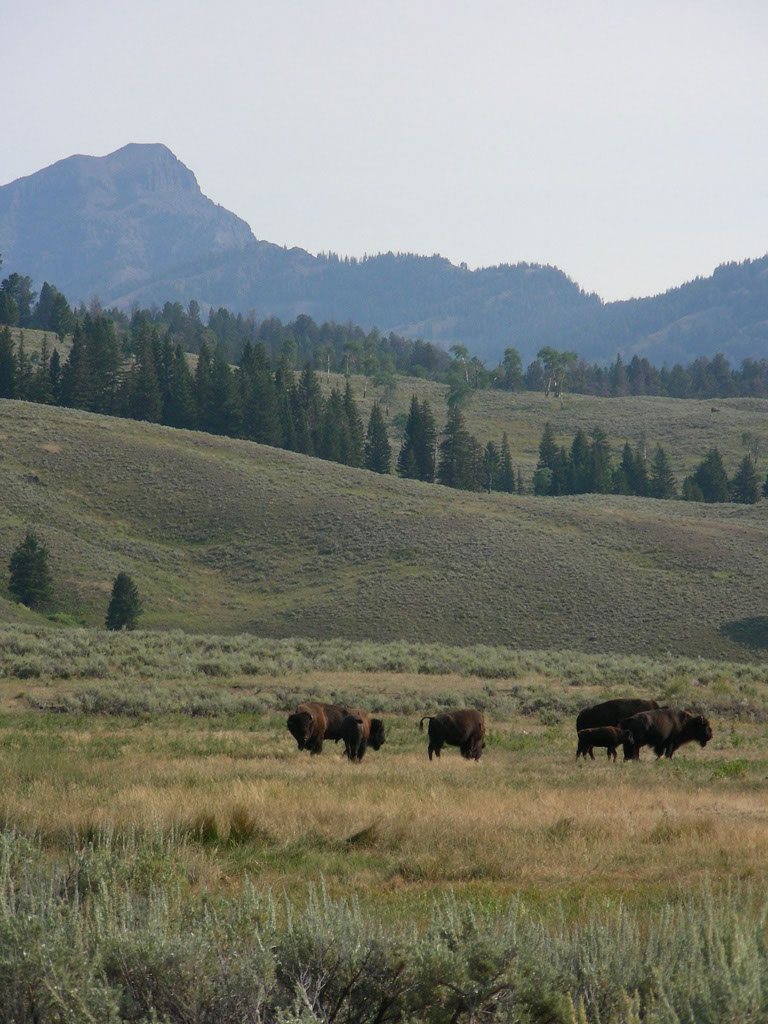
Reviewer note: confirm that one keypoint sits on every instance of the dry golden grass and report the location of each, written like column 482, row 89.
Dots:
column 235, row 795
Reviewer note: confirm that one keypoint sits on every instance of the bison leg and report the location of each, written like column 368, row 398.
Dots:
column 631, row 752
column 361, row 750
column 591, row 754
column 316, row 745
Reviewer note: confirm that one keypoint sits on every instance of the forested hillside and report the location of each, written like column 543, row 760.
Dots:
column 133, row 228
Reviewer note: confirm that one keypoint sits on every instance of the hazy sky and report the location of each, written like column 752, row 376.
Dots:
column 622, row 140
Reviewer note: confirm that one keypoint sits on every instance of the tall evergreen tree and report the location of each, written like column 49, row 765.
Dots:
column 548, row 449
column 711, row 478
column 580, row 465
column 179, row 409
column 54, row 370
column 7, row 364
column 407, row 464
column 492, row 466
column 506, row 472
column 285, row 389
column 203, row 389
column 355, row 430
column 745, row 485
column 309, row 400
column 224, row 414
column 334, row 434
column 662, row 483
column 691, row 490
column 455, row 467
column 77, row 376
column 601, row 462
column 30, row 581
column 124, row 604
column 258, row 395
column 24, row 374
column 378, row 452
column 40, row 389
column 144, row 400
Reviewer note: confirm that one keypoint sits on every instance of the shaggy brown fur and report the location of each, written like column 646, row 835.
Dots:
column 359, row 731
column 666, row 729
column 609, row 736
column 464, row 729
column 613, row 712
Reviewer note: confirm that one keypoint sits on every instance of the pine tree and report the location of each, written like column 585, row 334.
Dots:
column 124, row 605
column 258, row 397
column 144, row 401
column 662, row 483
column 24, row 373
column 745, row 486
column 580, row 465
column 55, row 375
column 285, row 389
column 406, row 460
column 30, row 581
column 334, row 434
column 520, row 485
column 711, row 478
column 76, row 377
column 455, row 467
column 7, row 365
column 691, row 490
column 224, row 412
column 309, row 401
column 601, row 462
column 378, row 452
column 355, row 430
column 506, row 481
column 40, row 389
column 548, row 449
column 179, row 409
column 202, row 391
column 492, row 466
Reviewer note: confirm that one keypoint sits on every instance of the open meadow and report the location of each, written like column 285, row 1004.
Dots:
column 158, row 814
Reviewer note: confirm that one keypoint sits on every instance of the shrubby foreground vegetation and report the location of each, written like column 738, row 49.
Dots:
column 166, row 854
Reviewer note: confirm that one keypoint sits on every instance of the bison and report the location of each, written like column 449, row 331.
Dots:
column 359, row 732
column 666, row 729
column 464, row 729
column 609, row 736
column 612, row 712
column 313, row 721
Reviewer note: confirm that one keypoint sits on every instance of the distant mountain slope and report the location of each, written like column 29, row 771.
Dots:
column 104, row 225
column 232, row 536
column 134, row 226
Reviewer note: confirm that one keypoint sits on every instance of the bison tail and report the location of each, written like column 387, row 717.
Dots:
column 421, row 723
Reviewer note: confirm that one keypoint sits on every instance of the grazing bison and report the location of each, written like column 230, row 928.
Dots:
column 666, row 729
column 464, row 729
column 609, row 736
column 313, row 721
column 613, row 712
column 359, row 732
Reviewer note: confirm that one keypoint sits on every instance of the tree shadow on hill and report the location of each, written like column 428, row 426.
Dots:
column 751, row 632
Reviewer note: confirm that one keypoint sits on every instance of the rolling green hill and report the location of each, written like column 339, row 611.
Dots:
column 227, row 536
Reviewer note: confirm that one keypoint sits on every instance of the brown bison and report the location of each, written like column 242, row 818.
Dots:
column 359, row 732
column 609, row 736
column 313, row 721
column 666, row 729
column 464, row 729
column 613, row 712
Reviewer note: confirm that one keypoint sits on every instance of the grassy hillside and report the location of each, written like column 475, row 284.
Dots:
column 686, row 429
column 229, row 536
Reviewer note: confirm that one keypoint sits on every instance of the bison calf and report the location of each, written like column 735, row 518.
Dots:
column 609, row 736
column 359, row 732
column 464, row 729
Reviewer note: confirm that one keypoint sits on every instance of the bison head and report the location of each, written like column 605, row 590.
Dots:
column 300, row 727
column 701, row 730
column 376, row 734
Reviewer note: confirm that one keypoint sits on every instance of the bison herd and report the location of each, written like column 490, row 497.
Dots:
column 630, row 724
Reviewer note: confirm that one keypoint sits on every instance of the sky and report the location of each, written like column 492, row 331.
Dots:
column 623, row 141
